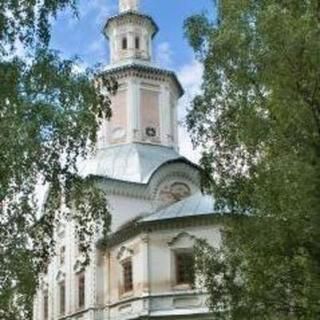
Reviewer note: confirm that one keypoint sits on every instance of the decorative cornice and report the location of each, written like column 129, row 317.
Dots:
column 178, row 167
column 123, row 188
column 130, row 16
column 138, row 227
column 124, row 252
column 144, row 71
column 184, row 293
column 60, row 276
column 179, row 236
column 79, row 265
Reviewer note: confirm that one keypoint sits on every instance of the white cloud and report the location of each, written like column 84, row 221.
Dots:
column 164, row 55
column 190, row 76
column 80, row 67
column 101, row 9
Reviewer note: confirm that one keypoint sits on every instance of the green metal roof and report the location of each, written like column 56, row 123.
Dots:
column 196, row 205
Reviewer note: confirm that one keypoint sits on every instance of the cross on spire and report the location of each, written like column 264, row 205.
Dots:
column 128, row 5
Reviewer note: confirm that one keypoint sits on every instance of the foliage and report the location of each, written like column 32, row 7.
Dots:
column 258, row 123
column 49, row 115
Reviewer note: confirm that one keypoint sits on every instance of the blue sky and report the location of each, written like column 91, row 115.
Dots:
column 83, row 37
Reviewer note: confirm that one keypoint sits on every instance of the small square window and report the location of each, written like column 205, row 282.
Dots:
column 184, row 268
column 127, row 275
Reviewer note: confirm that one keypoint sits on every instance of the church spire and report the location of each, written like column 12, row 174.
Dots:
column 128, row 5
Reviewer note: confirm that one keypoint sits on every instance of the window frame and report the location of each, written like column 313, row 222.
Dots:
column 127, row 275
column 81, row 277
column 62, row 298
column 124, row 43
column 46, row 305
column 137, row 42
column 62, row 255
column 184, row 275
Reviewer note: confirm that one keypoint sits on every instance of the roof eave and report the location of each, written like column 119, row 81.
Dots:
column 128, row 14
column 146, row 182
column 139, row 227
column 150, row 69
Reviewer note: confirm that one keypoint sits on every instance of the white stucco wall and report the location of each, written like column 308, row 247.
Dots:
column 124, row 209
column 155, row 291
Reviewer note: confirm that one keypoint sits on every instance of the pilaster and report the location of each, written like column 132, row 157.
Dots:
column 133, row 109
column 145, row 264
column 165, row 116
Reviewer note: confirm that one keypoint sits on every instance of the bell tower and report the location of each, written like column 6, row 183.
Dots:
column 145, row 106
column 130, row 34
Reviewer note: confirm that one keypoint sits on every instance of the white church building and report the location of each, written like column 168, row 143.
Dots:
column 158, row 210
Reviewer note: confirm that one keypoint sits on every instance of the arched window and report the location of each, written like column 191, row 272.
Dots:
column 124, row 43
column 137, row 43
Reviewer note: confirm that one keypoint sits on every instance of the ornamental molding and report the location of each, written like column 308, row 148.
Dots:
column 124, row 253
column 173, row 172
column 145, row 72
column 182, row 237
column 61, row 276
column 79, row 265
column 132, row 17
column 44, row 286
column 166, row 172
column 142, row 227
column 123, row 188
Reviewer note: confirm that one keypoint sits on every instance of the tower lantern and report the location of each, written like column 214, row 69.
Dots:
column 130, row 34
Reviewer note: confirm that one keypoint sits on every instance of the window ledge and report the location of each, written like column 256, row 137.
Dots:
column 80, row 309
column 126, row 295
column 182, row 287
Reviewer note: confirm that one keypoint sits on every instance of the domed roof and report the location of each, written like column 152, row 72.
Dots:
column 134, row 162
column 196, row 205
